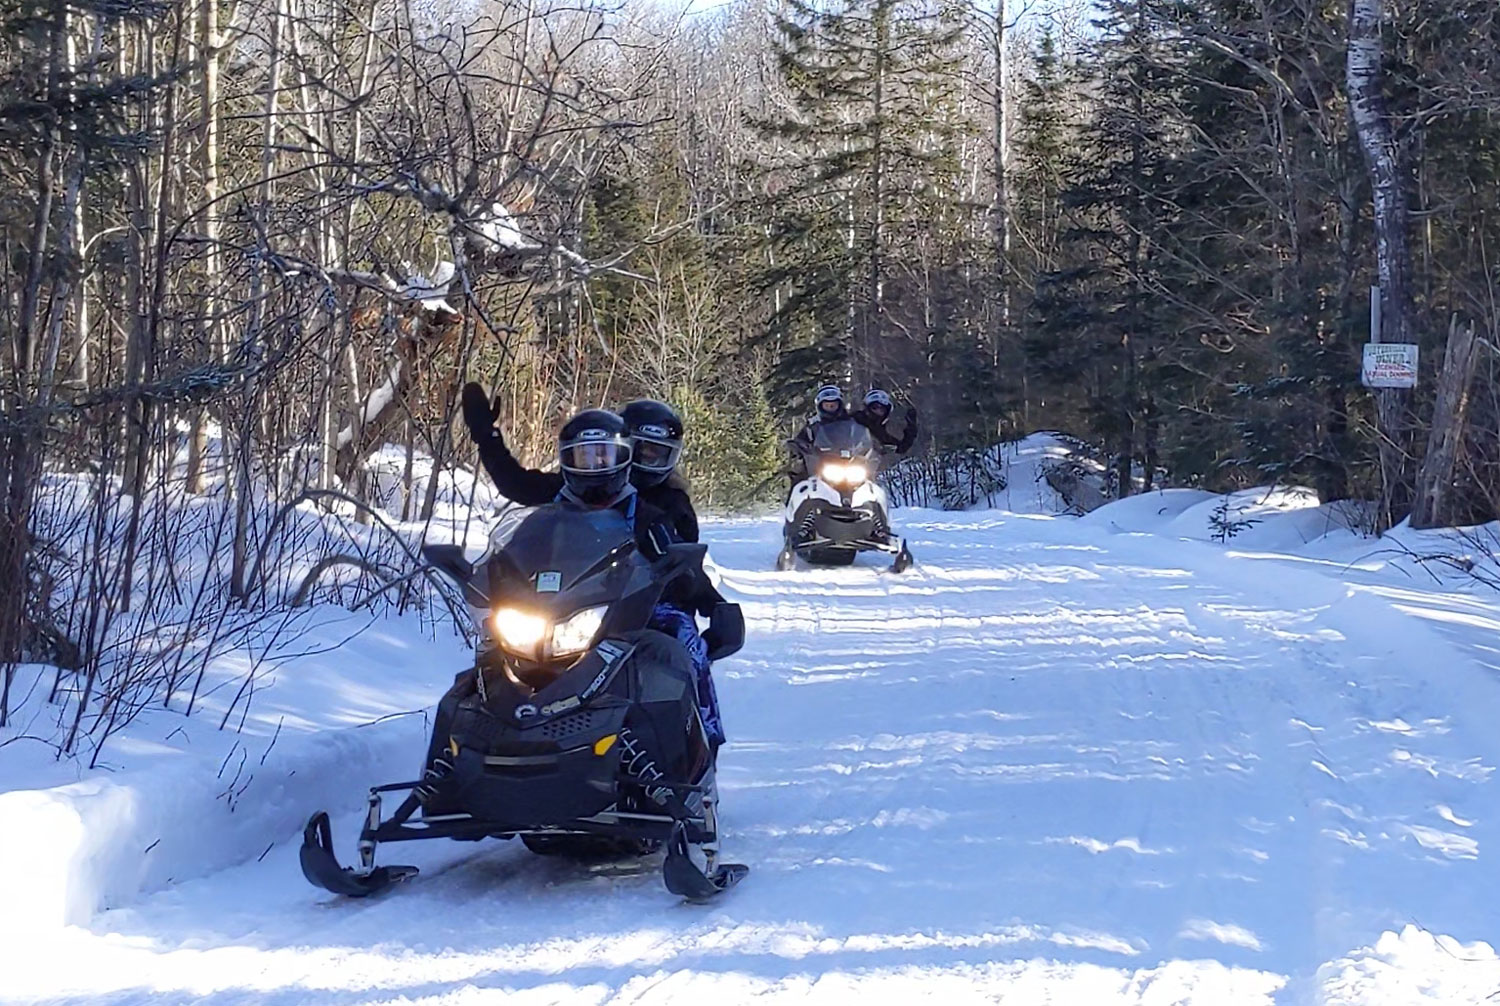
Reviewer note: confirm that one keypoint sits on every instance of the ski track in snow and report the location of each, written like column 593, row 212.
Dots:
column 1047, row 766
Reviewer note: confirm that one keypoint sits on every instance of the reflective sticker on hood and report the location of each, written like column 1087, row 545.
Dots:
column 549, row 582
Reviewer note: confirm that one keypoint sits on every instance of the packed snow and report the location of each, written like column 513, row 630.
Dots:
column 1115, row 759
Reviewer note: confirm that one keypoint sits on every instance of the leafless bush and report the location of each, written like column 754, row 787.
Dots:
column 951, row 480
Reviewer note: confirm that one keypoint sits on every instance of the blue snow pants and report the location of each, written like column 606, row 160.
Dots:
column 681, row 626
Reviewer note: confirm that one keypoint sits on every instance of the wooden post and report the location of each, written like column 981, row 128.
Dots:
column 1436, row 475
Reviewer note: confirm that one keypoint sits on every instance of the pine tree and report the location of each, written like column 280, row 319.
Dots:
column 1102, row 320
column 871, row 83
column 1042, row 164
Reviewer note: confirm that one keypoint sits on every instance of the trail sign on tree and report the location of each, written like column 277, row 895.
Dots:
column 1389, row 365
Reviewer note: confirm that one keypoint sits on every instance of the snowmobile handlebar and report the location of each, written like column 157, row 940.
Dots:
column 449, row 560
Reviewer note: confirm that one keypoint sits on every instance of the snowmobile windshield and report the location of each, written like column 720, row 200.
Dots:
column 845, row 438
column 511, row 518
column 564, row 540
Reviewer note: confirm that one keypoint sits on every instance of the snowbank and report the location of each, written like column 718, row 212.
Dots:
column 1265, row 517
column 1409, row 967
column 295, row 707
column 102, row 842
column 1146, row 512
column 342, row 702
column 1272, row 521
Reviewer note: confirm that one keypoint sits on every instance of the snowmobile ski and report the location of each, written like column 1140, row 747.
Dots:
column 321, row 867
column 685, row 879
column 904, row 560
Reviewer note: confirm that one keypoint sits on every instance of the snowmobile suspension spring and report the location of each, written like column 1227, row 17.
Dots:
column 639, row 766
column 439, row 770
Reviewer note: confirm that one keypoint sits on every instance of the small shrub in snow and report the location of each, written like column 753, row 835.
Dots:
column 135, row 604
column 1226, row 523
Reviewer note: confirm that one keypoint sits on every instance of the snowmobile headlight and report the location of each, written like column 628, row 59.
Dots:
column 840, row 474
column 578, row 631
column 518, row 631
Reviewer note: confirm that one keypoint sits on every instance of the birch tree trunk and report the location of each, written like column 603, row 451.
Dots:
column 1383, row 155
column 875, row 294
column 208, row 52
column 250, row 350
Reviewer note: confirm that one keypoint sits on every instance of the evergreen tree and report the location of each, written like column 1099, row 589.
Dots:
column 1043, row 162
column 871, row 84
column 1103, row 319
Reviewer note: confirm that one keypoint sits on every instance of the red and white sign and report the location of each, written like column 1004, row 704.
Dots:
column 1389, row 365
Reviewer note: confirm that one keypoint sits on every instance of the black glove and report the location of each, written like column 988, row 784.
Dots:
column 655, row 540
column 479, row 415
column 911, row 412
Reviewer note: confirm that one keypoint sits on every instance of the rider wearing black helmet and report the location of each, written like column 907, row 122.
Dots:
column 829, row 400
column 656, row 437
column 593, row 451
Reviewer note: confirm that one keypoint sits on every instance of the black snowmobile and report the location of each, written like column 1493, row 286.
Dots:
column 839, row 510
column 577, row 729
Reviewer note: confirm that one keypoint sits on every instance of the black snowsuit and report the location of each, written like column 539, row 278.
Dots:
column 878, row 429
column 533, row 487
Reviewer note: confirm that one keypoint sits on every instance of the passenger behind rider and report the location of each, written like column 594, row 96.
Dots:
column 875, row 415
column 607, row 462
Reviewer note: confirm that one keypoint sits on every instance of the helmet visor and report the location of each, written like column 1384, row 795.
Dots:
column 656, row 455
column 595, row 455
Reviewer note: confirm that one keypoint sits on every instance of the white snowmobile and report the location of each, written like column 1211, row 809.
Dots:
column 839, row 510
column 578, row 729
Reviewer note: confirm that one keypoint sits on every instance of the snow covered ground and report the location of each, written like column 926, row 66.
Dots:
column 1087, row 761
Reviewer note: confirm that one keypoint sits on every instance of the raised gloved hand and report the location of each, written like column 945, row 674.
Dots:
column 479, row 414
column 911, row 412
column 655, row 541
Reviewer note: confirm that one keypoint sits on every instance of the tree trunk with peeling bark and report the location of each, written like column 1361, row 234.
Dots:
column 1436, row 475
column 1384, row 156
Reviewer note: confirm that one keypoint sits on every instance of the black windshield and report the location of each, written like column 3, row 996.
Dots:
column 843, row 438
column 564, row 539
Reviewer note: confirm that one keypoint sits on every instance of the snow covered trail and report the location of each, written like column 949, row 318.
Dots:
column 1051, row 765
